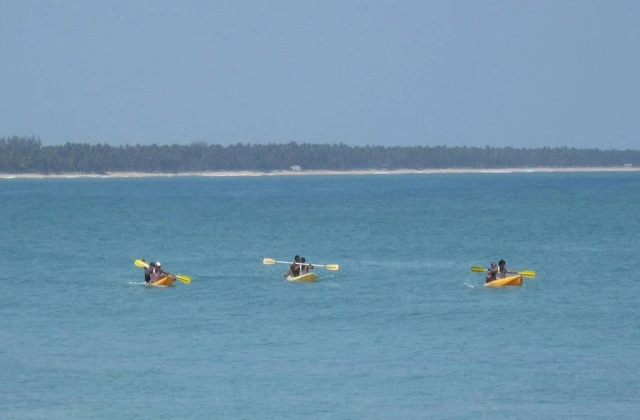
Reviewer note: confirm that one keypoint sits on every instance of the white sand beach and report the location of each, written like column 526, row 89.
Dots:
column 315, row 172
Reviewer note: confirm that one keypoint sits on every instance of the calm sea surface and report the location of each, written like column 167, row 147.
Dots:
column 404, row 330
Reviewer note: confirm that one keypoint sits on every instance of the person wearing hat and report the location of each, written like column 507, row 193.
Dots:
column 156, row 272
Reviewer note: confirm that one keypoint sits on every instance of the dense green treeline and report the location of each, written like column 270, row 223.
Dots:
column 27, row 155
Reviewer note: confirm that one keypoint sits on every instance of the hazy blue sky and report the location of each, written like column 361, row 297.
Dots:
column 379, row 72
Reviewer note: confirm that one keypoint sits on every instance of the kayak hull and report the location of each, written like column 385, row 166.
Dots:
column 305, row 278
column 507, row 281
column 165, row 281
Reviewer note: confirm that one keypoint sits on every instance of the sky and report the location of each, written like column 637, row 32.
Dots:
column 543, row 73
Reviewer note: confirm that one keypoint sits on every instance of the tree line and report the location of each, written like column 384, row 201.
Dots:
column 28, row 155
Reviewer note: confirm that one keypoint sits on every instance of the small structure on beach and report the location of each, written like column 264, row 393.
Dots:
column 295, row 168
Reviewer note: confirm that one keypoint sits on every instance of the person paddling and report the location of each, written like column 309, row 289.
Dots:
column 156, row 271
column 492, row 273
column 304, row 268
column 147, row 272
column 502, row 270
column 294, row 269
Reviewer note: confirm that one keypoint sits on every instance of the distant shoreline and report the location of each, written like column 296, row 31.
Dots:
column 315, row 172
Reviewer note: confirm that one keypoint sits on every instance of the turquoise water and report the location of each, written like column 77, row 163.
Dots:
column 404, row 330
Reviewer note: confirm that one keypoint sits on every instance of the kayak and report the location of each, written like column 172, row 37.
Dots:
column 163, row 281
column 507, row 281
column 304, row 278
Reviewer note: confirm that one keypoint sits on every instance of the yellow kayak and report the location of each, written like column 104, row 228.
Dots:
column 304, row 278
column 507, row 281
column 165, row 281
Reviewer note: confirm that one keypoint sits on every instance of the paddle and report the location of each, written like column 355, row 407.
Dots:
column 332, row 267
column 141, row 264
column 526, row 273
column 181, row 277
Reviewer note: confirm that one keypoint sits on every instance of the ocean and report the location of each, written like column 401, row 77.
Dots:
column 404, row 330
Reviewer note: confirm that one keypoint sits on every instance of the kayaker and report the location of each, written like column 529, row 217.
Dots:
column 492, row 272
column 304, row 268
column 156, row 271
column 147, row 272
column 294, row 269
column 502, row 270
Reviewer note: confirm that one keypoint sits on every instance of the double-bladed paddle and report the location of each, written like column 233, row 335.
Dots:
column 526, row 273
column 331, row 267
